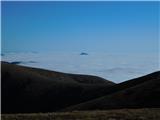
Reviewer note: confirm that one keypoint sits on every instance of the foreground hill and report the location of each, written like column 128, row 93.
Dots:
column 26, row 90
column 137, row 93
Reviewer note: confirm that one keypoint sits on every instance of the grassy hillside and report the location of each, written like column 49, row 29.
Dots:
column 137, row 93
column 31, row 90
column 120, row 114
column 27, row 89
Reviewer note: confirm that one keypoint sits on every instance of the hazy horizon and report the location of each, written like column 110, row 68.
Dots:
column 121, row 38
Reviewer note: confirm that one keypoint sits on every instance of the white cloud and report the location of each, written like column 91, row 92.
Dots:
column 115, row 67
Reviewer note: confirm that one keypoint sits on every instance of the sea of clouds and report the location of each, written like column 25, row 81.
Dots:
column 114, row 67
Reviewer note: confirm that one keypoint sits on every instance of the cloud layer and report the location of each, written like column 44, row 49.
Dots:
column 115, row 67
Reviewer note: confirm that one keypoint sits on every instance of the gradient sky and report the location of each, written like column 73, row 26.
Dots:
column 114, row 27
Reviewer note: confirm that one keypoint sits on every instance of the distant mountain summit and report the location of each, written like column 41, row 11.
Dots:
column 83, row 53
column 2, row 54
column 22, row 62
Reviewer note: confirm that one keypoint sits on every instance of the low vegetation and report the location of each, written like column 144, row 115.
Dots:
column 121, row 114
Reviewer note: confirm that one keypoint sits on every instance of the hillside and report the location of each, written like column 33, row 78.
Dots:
column 137, row 93
column 26, row 90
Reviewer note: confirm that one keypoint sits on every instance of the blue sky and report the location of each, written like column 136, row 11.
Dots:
column 112, row 27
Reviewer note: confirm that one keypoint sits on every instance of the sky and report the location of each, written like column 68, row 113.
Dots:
column 112, row 27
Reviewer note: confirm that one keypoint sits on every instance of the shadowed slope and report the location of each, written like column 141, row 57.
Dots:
column 137, row 93
column 27, row 89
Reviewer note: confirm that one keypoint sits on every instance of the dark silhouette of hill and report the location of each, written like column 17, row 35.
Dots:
column 16, row 62
column 83, row 53
column 22, row 62
column 2, row 54
column 129, row 83
column 137, row 93
column 26, row 90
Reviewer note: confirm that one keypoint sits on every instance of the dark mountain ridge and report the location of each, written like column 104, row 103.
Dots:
column 141, row 92
column 26, row 89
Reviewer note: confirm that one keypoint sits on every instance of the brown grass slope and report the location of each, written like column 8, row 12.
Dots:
column 137, row 93
column 118, row 114
column 129, row 83
column 26, row 90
